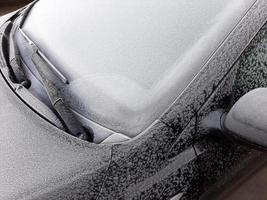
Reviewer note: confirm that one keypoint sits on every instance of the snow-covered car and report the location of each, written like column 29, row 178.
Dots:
column 114, row 99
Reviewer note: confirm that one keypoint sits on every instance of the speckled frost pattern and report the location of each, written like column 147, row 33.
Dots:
column 252, row 65
column 220, row 98
column 220, row 155
column 218, row 65
column 134, row 162
column 223, row 154
column 185, row 179
column 182, row 181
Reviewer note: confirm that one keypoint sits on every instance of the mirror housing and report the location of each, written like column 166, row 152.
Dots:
column 247, row 120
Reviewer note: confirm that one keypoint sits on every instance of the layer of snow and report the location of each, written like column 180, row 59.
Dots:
column 128, row 60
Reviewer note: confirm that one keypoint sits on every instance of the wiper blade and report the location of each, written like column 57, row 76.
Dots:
column 5, row 49
column 15, row 70
column 19, row 75
column 72, row 125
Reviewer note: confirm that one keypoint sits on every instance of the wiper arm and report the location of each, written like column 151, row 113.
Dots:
column 71, row 124
column 17, row 75
column 15, row 62
column 4, row 40
column 16, row 72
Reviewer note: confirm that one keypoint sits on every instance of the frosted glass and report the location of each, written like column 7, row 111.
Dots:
column 127, row 60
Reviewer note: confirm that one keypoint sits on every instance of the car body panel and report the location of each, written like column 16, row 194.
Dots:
column 130, row 169
column 36, row 155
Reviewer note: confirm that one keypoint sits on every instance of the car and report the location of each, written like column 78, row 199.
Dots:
column 130, row 99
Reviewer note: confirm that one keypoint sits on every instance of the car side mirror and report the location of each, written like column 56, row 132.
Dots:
column 248, row 118
column 246, row 121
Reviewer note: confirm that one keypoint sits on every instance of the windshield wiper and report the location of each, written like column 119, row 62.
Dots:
column 72, row 125
column 17, row 75
column 16, row 72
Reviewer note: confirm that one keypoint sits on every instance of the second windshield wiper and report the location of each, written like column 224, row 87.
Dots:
column 16, row 73
column 73, row 126
column 47, row 75
column 19, row 75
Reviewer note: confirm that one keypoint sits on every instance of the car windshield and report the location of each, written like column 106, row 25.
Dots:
column 127, row 61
